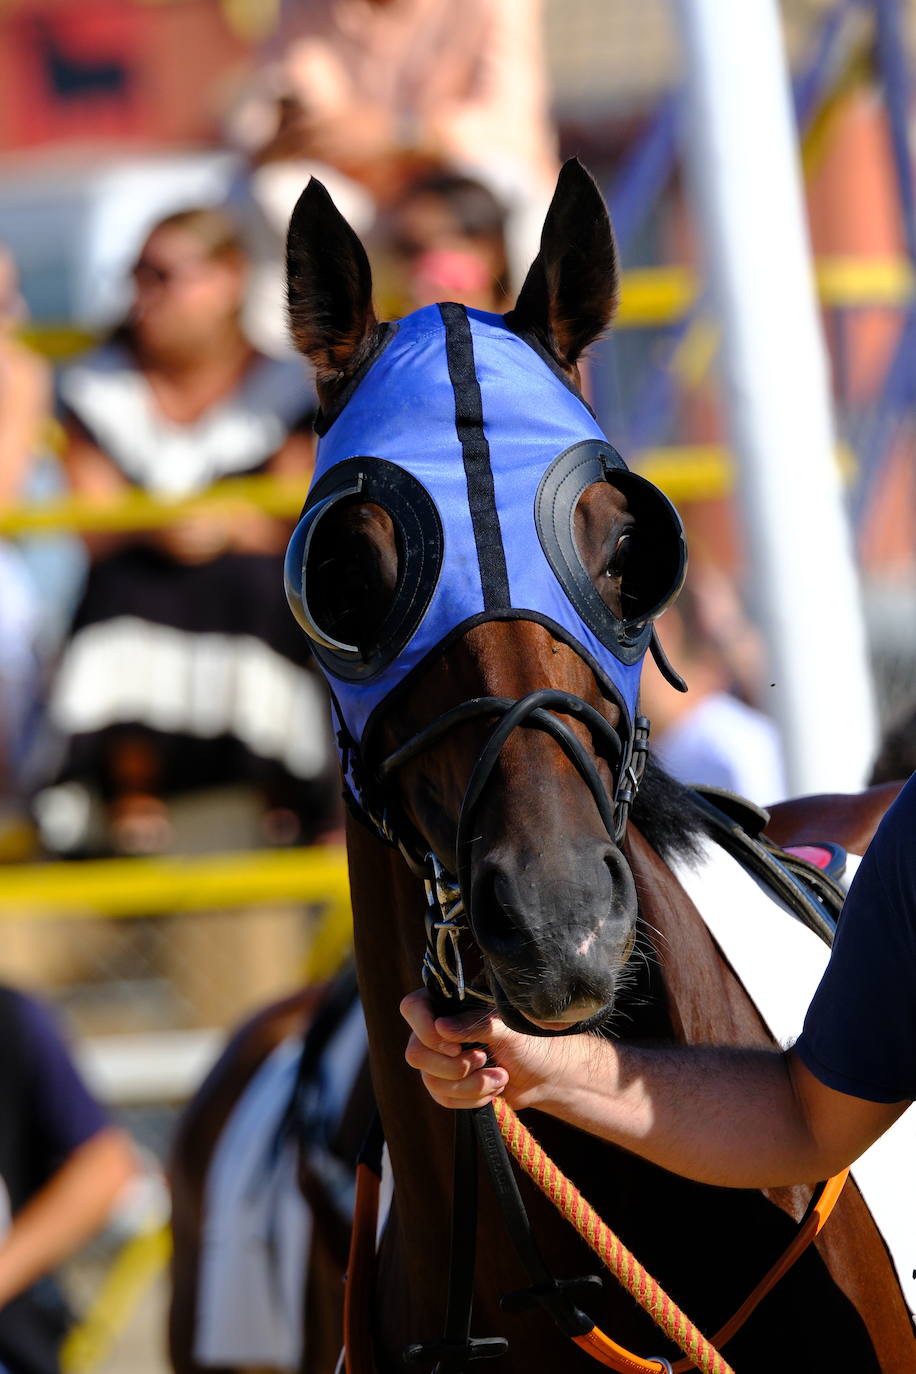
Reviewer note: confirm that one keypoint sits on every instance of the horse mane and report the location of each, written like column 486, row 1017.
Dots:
column 666, row 814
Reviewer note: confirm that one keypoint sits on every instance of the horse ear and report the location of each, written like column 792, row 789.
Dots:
column 570, row 293
column 329, row 286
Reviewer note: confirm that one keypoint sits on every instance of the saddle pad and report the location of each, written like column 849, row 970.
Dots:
column 256, row 1232
column 257, row 1227
column 779, row 962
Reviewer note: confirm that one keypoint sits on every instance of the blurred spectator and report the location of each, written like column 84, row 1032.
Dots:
column 25, row 403
column 711, row 735
column 185, row 670
column 366, row 94
column 445, row 238
column 63, row 1167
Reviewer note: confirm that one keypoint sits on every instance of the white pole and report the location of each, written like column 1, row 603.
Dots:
column 742, row 159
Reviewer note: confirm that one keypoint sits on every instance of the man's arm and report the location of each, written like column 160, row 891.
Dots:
column 72, row 1206
column 736, row 1118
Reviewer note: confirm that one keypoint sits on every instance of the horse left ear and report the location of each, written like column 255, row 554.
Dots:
column 329, row 287
column 570, row 293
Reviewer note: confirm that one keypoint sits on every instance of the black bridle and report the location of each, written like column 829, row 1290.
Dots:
column 450, row 898
column 448, row 906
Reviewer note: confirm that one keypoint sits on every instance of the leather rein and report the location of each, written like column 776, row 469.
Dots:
column 482, row 1131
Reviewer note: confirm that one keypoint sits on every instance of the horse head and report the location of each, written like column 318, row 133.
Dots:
column 478, row 573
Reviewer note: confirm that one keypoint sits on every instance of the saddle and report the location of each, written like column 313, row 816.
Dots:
column 807, row 878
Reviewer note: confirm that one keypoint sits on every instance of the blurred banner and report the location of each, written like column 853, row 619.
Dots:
column 113, row 71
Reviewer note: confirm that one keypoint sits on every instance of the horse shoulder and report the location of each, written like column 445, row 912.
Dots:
column 706, row 1002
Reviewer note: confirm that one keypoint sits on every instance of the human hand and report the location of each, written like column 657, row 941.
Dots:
column 527, row 1070
column 365, row 132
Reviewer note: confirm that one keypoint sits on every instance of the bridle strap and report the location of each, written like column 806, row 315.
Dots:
column 457, row 1347
column 536, row 708
column 626, row 754
column 546, row 1291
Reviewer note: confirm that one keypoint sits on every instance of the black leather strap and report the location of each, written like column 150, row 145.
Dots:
column 810, row 894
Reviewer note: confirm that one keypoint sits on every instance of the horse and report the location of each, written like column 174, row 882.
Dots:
column 309, row 1017
column 850, row 820
column 479, row 575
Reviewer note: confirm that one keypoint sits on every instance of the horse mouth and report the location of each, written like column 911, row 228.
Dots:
column 576, row 1018
column 580, row 1018
column 557, row 1027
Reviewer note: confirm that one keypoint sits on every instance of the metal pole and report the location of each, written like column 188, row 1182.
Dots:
column 742, row 160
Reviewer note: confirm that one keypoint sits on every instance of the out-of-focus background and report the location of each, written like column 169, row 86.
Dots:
column 170, row 831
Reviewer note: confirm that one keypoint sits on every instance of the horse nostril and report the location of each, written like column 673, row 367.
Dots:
column 496, row 915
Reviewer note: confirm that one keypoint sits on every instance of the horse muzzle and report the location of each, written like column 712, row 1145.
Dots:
column 555, row 939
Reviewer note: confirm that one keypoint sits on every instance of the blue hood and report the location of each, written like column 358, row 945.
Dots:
column 465, row 421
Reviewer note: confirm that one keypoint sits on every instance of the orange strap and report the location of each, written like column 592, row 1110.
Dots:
column 613, row 1356
column 813, row 1224
column 360, row 1278
column 606, row 1352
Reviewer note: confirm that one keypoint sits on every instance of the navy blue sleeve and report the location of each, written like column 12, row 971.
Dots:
column 859, row 1035
column 63, row 1113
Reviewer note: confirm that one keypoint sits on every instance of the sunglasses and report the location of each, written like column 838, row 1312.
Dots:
column 146, row 274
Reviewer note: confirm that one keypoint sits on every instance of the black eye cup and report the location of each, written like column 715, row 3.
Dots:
column 661, row 557
column 659, row 562
column 418, row 531
column 295, row 565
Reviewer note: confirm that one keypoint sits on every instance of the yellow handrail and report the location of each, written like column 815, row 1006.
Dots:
column 138, row 887
column 139, row 510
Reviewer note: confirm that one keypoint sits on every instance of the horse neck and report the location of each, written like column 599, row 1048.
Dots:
column 703, row 1000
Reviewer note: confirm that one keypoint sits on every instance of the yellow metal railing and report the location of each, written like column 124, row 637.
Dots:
column 139, row 510
column 649, row 297
column 136, row 1266
column 685, row 472
column 135, row 887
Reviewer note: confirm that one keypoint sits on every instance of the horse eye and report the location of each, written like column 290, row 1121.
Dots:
column 621, row 557
column 352, row 572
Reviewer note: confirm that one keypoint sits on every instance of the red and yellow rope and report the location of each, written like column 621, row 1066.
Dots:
column 622, row 1263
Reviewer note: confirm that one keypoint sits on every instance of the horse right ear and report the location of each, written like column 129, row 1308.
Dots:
column 329, row 287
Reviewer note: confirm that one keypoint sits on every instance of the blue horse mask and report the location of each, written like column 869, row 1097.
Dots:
column 479, row 448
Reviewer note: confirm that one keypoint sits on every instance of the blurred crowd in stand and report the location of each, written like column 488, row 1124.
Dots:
column 147, row 671
column 149, row 674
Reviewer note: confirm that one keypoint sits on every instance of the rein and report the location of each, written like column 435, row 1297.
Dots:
column 495, row 1129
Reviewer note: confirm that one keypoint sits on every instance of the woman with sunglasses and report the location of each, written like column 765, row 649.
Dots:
column 184, row 670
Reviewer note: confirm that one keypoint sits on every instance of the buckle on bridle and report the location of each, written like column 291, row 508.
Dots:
column 455, row 1355
column 443, row 967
